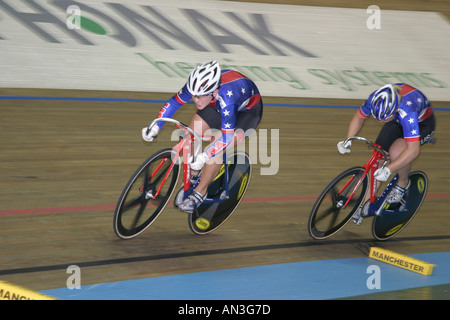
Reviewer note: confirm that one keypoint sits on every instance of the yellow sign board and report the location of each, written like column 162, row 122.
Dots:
column 12, row 292
column 401, row 261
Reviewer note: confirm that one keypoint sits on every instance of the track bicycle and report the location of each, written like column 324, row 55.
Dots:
column 344, row 195
column 149, row 189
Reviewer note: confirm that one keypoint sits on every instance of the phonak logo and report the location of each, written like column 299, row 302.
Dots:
column 121, row 22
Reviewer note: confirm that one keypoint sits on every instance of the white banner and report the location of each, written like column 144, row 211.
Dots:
column 294, row 51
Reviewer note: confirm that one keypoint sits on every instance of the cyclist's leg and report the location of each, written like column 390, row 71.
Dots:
column 204, row 122
column 212, row 167
column 397, row 148
column 427, row 128
column 385, row 139
column 390, row 132
column 399, row 145
column 247, row 122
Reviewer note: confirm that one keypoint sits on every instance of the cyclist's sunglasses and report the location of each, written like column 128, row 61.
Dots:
column 202, row 95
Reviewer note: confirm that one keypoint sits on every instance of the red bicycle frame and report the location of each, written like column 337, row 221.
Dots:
column 371, row 165
column 185, row 145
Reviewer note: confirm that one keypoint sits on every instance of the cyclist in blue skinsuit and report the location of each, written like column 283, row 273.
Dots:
column 227, row 101
column 409, row 123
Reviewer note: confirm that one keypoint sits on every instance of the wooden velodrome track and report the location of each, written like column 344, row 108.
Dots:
column 65, row 163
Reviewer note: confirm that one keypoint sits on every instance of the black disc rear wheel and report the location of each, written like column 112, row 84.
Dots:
column 387, row 225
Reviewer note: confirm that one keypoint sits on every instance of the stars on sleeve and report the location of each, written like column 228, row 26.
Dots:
column 229, row 93
column 226, row 113
column 412, row 126
column 419, row 100
column 227, row 125
column 243, row 90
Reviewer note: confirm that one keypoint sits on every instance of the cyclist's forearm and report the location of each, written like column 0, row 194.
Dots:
column 355, row 125
column 168, row 110
column 174, row 103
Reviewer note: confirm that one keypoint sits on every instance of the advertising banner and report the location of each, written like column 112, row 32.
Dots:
column 292, row 51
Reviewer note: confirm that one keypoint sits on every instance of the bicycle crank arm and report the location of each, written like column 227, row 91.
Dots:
column 149, row 195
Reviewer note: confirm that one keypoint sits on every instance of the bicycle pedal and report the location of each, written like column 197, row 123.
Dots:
column 223, row 195
column 358, row 220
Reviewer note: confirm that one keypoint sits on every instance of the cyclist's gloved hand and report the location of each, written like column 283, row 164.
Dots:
column 149, row 134
column 344, row 147
column 382, row 174
column 199, row 162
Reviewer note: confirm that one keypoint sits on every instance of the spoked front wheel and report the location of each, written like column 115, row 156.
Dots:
column 146, row 194
column 333, row 209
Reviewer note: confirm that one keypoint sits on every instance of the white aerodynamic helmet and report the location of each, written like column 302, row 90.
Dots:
column 204, row 79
